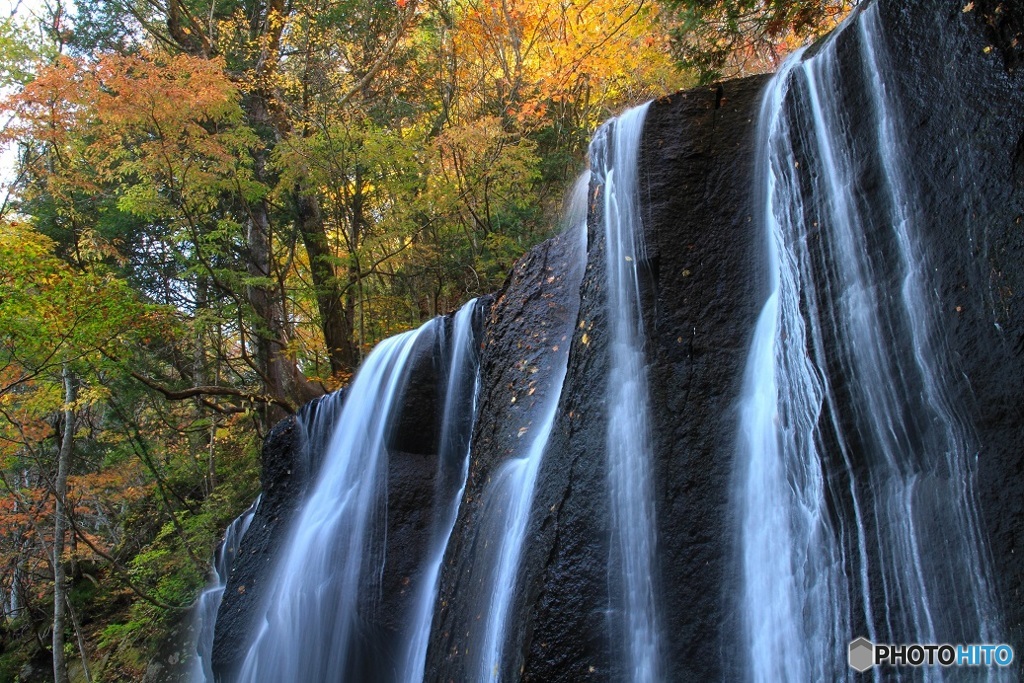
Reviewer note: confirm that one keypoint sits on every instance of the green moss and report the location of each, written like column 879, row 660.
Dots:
column 10, row 664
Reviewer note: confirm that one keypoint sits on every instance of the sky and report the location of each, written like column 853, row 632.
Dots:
column 8, row 6
column 20, row 8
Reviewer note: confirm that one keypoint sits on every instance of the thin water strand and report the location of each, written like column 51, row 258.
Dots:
column 509, row 496
column 788, row 544
column 899, row 445
column 614, row 156
column 453, row 466
column 950, row 437
column 204, row 616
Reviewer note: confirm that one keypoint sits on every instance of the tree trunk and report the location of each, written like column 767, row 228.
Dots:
column 82, row 652
column 60, row 666
column 283, row 379
column 335, row 320
column 354, row 237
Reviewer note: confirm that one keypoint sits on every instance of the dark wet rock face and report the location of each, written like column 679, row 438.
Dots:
column 283, row 477
column 292, row 455
column 526, row 337
column 706, row 298
column 962, row 102
column 959, row 83
column 699, row 307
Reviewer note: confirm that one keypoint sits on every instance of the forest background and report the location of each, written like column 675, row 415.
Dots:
column 213, row 209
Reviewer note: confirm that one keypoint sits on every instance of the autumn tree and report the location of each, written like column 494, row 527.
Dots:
column 720, row 38
column 557, row 70
column 57, row 326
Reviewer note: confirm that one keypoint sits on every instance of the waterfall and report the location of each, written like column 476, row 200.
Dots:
column 509, row 496
column 614, row 152
column 856, row 470
column 789, row 545
column 312, row 626
column 317, row 623
column 11, row 603
column 204, row 615
column 453, row 466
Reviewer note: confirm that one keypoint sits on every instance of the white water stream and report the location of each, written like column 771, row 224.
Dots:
column 614, row 156
column 856, row 468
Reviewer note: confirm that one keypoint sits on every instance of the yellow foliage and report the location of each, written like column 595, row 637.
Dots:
column 527, row 54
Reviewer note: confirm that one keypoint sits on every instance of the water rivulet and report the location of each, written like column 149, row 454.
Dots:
column 205, row 612
column 633, row 616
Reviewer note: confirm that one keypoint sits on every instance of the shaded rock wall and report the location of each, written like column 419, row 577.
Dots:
column 292, row 454
column 526, row 338
column 699, row 310
column 284, row 476
column 962, row 100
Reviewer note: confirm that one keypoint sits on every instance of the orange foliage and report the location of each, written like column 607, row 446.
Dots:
column 156, row 124
column 525, row 54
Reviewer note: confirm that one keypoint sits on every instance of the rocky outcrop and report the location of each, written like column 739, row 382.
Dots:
column 699, row 309
column 286, row 466
column 959, row 83
column 526, row 336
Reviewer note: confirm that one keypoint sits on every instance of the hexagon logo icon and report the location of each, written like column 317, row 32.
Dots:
column 862, row 654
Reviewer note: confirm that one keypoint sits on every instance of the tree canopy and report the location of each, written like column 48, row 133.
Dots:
column 720, row 38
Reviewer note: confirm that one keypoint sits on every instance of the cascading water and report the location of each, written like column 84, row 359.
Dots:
column 311, row 628
column 453, row 466
column 314, row 624
column 614, row 152
column 204, row 615
column 315, row 422
column 856, row 477
column 509, row 496
column 788, row 542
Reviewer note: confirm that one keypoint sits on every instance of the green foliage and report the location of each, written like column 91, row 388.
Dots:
column 20, row 50
column 10, row 664
column 51, row 316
